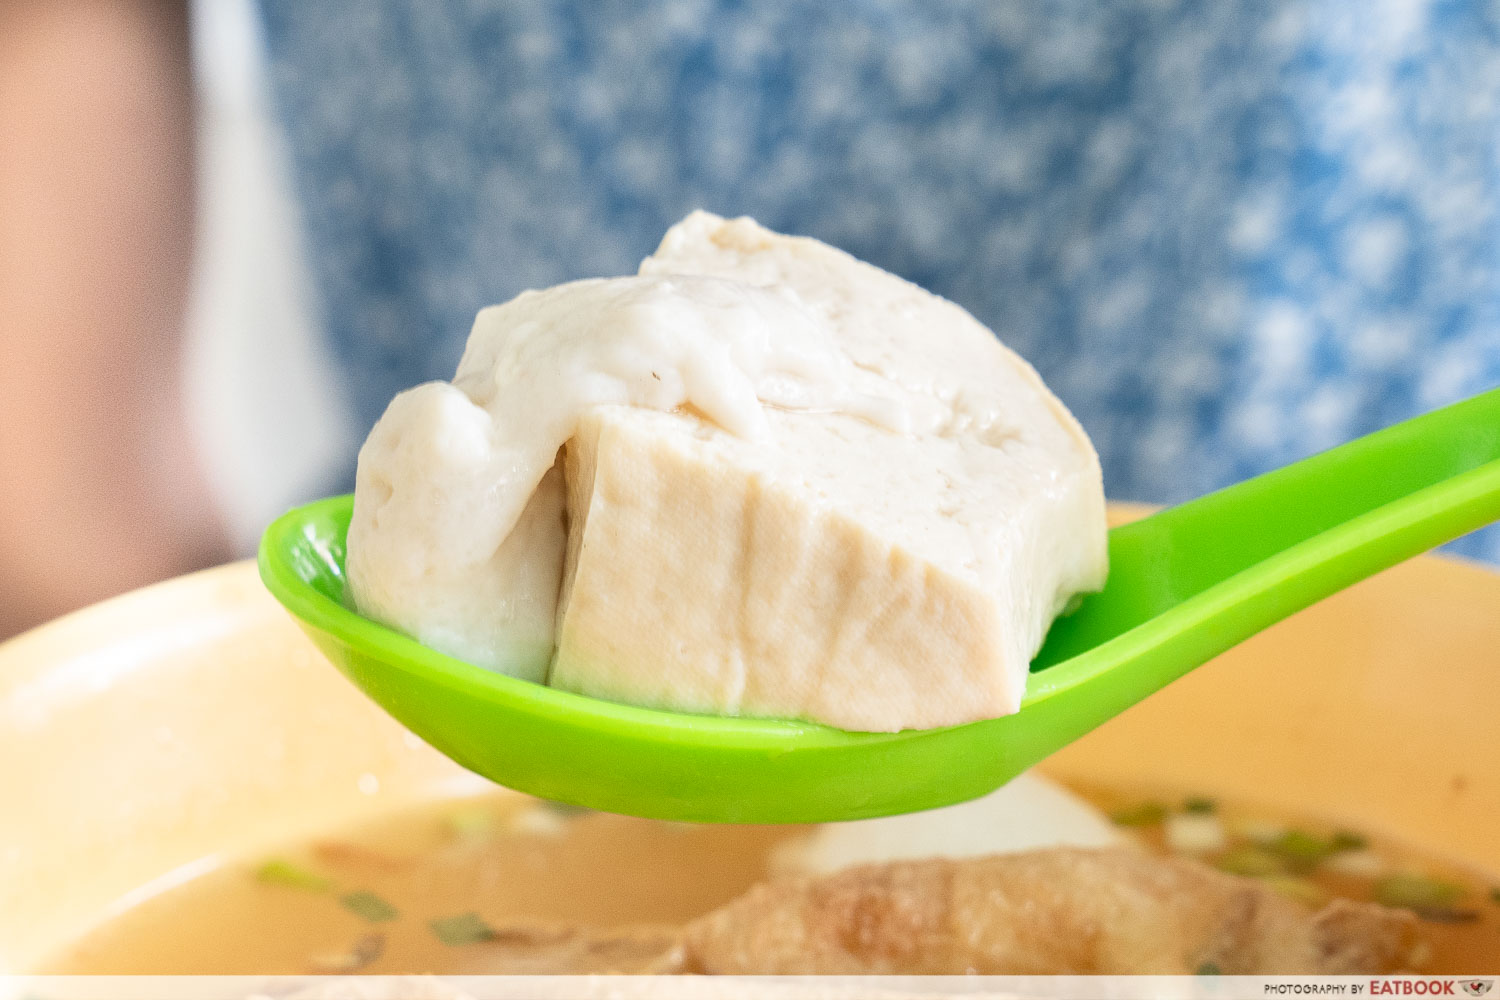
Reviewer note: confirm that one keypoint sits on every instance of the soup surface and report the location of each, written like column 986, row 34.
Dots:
column 493, row 885
column 1315, row 861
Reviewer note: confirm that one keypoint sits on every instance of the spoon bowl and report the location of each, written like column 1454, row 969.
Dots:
column 1185, row 584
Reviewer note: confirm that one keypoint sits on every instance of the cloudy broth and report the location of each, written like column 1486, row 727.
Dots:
column 491, row 885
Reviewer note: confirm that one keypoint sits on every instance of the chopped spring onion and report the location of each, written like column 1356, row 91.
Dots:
column 281, row 872
column 1144, row 814
column 1209, row 969
column 1416, row 892
column 1347, row 840
column 1495, row 895
column 1198, row 804
column 1299, row 889
column 1247, row 859
column 368, row 905
column 1302, row 850
column 466, row 928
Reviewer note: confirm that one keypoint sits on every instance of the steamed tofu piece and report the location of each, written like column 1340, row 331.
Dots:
column 498, row 611
column 833, row 578
column 835, row 572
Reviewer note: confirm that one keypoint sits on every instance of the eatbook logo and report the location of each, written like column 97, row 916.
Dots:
column 1477, row 987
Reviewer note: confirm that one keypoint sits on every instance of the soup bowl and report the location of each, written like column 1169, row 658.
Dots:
column 152, row 737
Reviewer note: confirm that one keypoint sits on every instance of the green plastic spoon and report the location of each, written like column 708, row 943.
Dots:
column 1185, row 584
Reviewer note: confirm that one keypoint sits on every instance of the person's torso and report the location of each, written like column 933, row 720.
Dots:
column 1226, row 234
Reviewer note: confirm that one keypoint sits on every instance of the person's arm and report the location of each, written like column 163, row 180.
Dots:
column 99, row 491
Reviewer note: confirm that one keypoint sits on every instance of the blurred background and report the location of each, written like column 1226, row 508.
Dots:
column 1228, row 235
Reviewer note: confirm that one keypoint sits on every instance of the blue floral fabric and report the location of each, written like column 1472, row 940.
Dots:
column 1227, row 233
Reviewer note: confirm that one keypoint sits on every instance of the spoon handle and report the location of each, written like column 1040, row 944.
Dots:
column 1272, row 545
